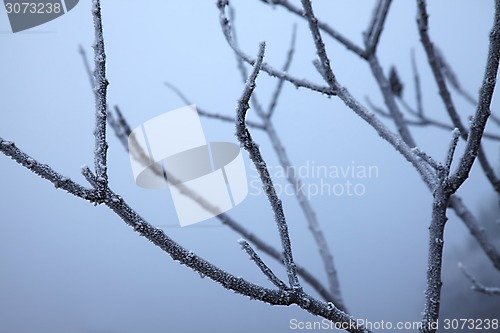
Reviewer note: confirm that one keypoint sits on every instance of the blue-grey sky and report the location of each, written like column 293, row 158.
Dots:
column 67, row 266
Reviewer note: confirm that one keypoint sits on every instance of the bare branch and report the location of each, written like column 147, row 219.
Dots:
column 226, row 28
column 476, row 285
column 435, row 63
column 418, row 88
column 8, row 148
column 292, row 179
column 451, row 150
column 392, row 138
column 318, row 42
column 177, row 252
column 435, row 257
column 424, row 156
column 101, row 83
column 286, row 66
column 253, row 149
column 139, row 155
column 473, row 146
column 207, row 114
column 86, row 64
column 262, row 266
column 322, row 25
column 277, row 255
column 185, row 257
column 372, row 35
column 424, row 120
column 312, row 221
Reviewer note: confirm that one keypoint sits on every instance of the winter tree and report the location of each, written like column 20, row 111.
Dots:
column 370, row 134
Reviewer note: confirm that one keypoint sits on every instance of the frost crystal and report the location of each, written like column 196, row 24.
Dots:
column 306, row 302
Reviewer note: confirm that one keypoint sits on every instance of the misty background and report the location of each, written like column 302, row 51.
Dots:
column 66, row 266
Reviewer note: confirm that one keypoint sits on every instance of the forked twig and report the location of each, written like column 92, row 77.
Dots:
column 253, row 149
column 262, row 266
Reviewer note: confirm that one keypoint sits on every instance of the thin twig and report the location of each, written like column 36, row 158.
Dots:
column 286, row 66
column 424, row 156
column 312, row 221
column 177, row 252
column 386, row 134
column 452, row 78
column 320, row 45
column 137, row 153
column 207, row 114
column 322, row 25
column 451, row 150
column 309, row 213
column 262, row 266
column 476, row 285
column 101, row 83
column 8, row 148
column 418, row 87
column 473, row 146
column 435, row 63
column 247, row 142
column 372, row 36
column 424, row 120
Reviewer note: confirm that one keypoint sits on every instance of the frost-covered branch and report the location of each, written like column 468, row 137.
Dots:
column 226, row 28
column 386, row 134
column 425, row 120
column 473, row 145
column 322, row 25
column 177, row 252
column 8, row 148
column 310, row 215
column 473, row 148
column 247, row 142
column 372, row 35
column 319, row 44
column 101, row 83
column 435, row 64
column 451, row 150
column 476, row 285
column 435, row 257
column 286, row 66
column 138, row 153
column 262, row 266
column 428, row 159
column 312, row 221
